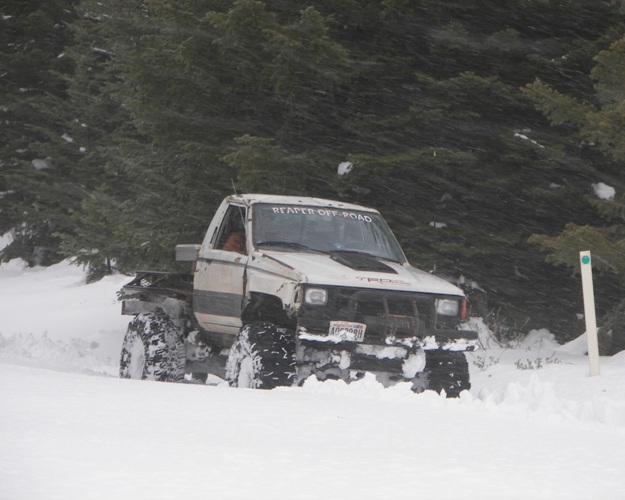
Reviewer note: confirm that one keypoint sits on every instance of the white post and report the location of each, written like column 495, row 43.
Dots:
column 589, row 313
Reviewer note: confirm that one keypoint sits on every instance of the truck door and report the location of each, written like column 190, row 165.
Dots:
column 219, row 285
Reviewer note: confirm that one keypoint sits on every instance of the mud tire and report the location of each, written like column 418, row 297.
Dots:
column 153, row 349
column 448, row 371
column 262, row 357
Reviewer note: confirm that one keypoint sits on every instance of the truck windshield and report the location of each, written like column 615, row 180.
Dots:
column 317, row 229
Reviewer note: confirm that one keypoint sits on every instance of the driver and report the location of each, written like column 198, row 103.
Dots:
column 235, row 242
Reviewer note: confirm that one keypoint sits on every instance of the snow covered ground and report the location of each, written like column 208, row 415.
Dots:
column 534, row 426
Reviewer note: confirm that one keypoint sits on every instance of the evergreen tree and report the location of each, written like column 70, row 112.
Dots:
column 423, row 98
column 448, row 143
column 196, row 86
column 37, row 150
column 171, row 102
column 148, row 188
column 600, row 125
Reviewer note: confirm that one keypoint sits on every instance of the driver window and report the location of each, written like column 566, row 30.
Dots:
column 232, row 233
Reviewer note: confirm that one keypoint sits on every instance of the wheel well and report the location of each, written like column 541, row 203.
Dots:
column 264, row 307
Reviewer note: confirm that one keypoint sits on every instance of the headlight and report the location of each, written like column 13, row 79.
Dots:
column 447, row 307
column 316, row 296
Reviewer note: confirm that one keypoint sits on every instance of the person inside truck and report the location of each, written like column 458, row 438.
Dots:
column 235, row 242
column 233, row 236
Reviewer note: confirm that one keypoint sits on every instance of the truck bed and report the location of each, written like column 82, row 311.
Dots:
column 148, row 289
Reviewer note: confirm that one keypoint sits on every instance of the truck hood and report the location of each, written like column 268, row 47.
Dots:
column 322, row 269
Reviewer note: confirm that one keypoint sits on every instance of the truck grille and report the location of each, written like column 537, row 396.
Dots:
column 397, row 314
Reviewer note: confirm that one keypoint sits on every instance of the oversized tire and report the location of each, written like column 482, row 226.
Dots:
column 262, row 357
column 448, row 371
column 153, row 349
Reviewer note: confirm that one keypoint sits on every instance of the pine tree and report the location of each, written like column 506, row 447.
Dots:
column 599, row 125
column 37, row 151
column 443, row 141
column 207, row 101
column 148, row 187
column 169, row 103
column 422, row 97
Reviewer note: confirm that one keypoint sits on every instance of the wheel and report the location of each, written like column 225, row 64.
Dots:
column 153, row 349
column 262, row 357
column 447, row 370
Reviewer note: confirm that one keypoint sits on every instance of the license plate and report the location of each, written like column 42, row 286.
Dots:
column 348, row 331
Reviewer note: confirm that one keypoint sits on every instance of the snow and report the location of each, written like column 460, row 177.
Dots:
column 524, row 137
column 438, row 225
column 603, row 191
column 41, row 164
column 345, row 168
column 534, row 425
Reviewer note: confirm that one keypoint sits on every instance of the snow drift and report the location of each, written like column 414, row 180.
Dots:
column 534, row 425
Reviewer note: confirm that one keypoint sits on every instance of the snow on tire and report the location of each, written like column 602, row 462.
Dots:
column 448, row 371
column 262, row 357
column 153, row 349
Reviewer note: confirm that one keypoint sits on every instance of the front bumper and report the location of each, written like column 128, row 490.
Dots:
column 395, row 360
column 448, row 340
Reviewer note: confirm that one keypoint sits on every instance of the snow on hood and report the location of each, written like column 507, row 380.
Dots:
column 321, row 269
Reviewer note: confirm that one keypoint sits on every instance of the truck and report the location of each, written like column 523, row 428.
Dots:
column 283, row 288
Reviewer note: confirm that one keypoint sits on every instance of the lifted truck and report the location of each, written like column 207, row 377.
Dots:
column 283, row 288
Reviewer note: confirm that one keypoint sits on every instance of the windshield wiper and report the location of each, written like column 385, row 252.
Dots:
column 287, row 244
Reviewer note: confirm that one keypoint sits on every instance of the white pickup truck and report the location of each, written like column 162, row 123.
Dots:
column 283, row 288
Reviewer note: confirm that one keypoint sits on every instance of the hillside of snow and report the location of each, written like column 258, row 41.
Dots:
column 534, row 425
